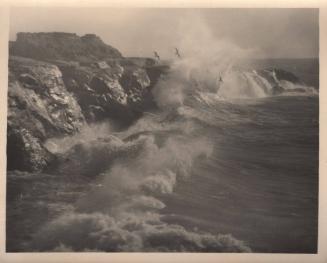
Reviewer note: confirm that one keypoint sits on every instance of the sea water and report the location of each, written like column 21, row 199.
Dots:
column 217, row 167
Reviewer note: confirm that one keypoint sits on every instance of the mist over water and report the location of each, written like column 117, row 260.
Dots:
column 123, row 214
column 208, row 108
column 214, row 66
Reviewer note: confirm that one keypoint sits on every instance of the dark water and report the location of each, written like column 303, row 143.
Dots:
column 219, row 176
column 261, row 183
column 203, row 174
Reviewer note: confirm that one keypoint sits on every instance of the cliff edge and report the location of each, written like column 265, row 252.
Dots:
column 59, row 82
column 62, row 46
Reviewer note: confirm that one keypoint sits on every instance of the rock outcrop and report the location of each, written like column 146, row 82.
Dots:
column 277, row 78
column 114, row 91
column 62, row 46
column 39, row 107
column 274, row 76
column 59, row 82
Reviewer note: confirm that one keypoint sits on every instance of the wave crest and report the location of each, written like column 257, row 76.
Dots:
column 100, row 232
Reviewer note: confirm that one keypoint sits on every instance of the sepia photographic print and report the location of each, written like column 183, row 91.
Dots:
column 163, row 130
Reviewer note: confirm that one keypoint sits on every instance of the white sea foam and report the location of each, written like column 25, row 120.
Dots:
column 124, row 214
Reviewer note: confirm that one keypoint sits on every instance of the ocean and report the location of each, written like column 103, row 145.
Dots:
column 222, row 165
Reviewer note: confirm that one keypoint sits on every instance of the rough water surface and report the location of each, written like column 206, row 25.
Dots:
column 220, row 166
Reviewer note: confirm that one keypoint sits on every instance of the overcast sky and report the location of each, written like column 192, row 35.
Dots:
column 138, row 32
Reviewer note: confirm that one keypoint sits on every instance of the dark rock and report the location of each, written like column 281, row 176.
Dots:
column 116, row 91
column 138, row 61
column 278, row 78
column 277, row 90
column 46, row 100
column 135, row 82
column 39, row 107
column 286, row 75
column 25, row 151
column 27, row 79
column 62, row 46
column 77, row 77
column 274, row 76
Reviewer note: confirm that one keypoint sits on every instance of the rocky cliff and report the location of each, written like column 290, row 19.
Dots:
column 108, row 90
column 59, row 82
column 62, row 46
column 39, row 107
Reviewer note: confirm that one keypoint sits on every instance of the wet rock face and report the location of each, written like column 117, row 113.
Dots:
column 135, row 80
column 25, row 151
column 58, row 82
column 114, row 91
column 37, row 89
column 286, row 75
column 274, row 76
column 47, row 100
column 39, row 107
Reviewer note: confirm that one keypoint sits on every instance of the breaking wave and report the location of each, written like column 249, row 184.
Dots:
column 101, row 232
column 123, row 212
column 136, row 168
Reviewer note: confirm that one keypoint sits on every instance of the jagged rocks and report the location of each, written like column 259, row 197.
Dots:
column 114, row 91
column 39, row 86
column 60, row 81
column 39, row 107
column 275, row 76
column 25, row 151
column 135, row 82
